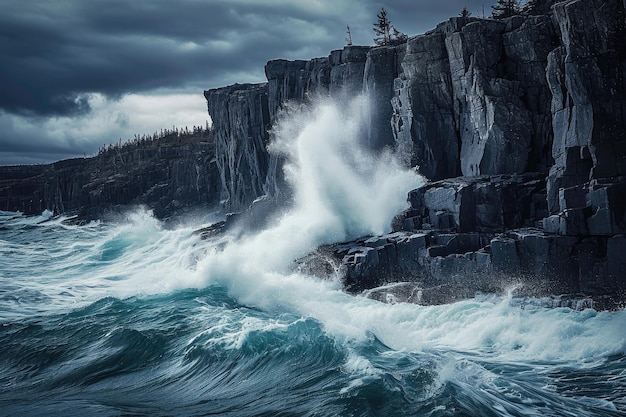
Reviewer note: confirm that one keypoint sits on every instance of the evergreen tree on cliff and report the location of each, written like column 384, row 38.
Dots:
column 386, row 33
column 505, row 8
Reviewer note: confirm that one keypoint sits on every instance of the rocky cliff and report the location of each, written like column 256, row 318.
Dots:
column 471, row 97
column 519, row 123
column 170, row 175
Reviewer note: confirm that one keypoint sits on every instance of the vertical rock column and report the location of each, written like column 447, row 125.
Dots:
column 423, row 116
column 586, row 75
column 347, row 67
column 241, row 120
column 378, row 85
column 494, row 124
column 526, row 45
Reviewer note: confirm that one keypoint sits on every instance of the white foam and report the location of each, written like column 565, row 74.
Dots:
column 338, row 195
column 154, row 260
column 33, row 220
column 86, row 263
column 360, row 370
column 342, row 192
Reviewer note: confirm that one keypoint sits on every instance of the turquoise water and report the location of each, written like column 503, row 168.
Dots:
column 109, row 320
column 131, row 318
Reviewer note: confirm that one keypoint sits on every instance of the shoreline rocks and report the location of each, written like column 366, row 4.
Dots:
column 465, row 236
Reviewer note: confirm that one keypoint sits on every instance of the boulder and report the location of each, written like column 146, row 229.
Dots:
column 482, row 204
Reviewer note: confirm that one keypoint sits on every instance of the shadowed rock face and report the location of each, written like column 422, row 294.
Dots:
column 541, row 93
column 241, row 121
column 586, row 78
column 170, row 175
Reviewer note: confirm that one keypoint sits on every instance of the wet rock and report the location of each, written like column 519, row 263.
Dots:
column 481, row 204
column 504, row 255
column 530, row 110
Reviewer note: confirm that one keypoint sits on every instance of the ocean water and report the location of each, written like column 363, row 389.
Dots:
column 135, row 318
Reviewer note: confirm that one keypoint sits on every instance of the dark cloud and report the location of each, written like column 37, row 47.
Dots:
column 56, row 52
column 58, row 55
column 39, row 139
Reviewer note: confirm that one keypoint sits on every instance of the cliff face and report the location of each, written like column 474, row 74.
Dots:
column 519, row 123
column 243, row 115
column 472, row 97
column 169, row 175
column 586, row 74
column 241, row 122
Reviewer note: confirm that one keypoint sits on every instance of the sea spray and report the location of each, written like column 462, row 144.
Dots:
column 83, row 334
column 340, row 187
column 81, row 264
column 340, row 191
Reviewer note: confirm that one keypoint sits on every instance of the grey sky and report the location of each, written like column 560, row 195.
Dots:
column 78, row 74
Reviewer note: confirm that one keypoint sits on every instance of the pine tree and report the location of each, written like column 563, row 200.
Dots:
column 381, row 28
column 505, row 8
column 535, row 7
column 386, row 33
column 465, row 13
column 397, row 37
column 529, row 7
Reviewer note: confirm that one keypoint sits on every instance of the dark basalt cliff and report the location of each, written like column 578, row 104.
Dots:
column 472, row 97
column 520, row 124
column 170, row 175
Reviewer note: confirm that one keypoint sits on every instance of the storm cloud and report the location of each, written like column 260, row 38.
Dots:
column 64, row 62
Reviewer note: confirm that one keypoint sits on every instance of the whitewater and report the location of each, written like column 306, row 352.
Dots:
column 134, row 317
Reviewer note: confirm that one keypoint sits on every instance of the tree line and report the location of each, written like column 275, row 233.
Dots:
column 175, row 133
column 507, row 8
column 386, row 34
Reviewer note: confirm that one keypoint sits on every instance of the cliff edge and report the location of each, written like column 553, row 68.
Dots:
column 171, row 174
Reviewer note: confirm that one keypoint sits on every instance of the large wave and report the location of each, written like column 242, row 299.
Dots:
column 135, row 301
column 340, row 191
